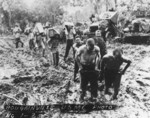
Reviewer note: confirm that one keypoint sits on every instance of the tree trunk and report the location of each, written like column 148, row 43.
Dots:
column 116, row 5
column 107, row 5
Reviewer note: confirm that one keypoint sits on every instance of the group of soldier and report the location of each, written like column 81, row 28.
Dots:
column 39, row 38
column 90, row 58
column 95, row 65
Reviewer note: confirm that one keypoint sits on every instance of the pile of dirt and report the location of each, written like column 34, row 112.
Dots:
column 30, row 79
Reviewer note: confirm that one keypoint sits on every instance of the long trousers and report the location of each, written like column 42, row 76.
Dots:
column 18, row 40
column 104, row 36
column 56, row 58
column 76, row 68
column 68, row 47
column 39, row 43
column 112, row 77
column 31, row 44
column 89, row 76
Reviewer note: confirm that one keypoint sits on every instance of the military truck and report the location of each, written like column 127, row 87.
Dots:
column 107, row 25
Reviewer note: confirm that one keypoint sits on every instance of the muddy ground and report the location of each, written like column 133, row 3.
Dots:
column 26, row 75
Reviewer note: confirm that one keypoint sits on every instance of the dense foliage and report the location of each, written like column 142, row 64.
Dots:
column 22, row 11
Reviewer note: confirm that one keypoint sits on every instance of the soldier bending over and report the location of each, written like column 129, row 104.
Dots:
column 110, row 69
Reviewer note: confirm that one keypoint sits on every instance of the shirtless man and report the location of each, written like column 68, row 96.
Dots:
column 78, row 43
column 88, row 57
column 110, row 70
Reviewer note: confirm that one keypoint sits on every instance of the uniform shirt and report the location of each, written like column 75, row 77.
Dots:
column 70, row 35
column 17, row 32
column 46, row 32
column 101, row 44
column 54, row 43
column 38, row 28
column 79, row 33
column 29, row 32
column 31, row 35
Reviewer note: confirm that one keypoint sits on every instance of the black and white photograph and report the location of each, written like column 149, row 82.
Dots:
column 74, row 58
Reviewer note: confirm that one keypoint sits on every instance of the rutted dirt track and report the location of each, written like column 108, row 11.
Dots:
column 23, row 74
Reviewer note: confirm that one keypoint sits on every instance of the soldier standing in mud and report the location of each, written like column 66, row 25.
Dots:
column 54, row 46
column 76, row 46
column 70, row 32
column 100, row 43
column 79, row 32
column 46, row 31
column 88, row 58
column 102, row 46
column 110, row 70
column 29, row 32
column 17, row 32
column 38, row 31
